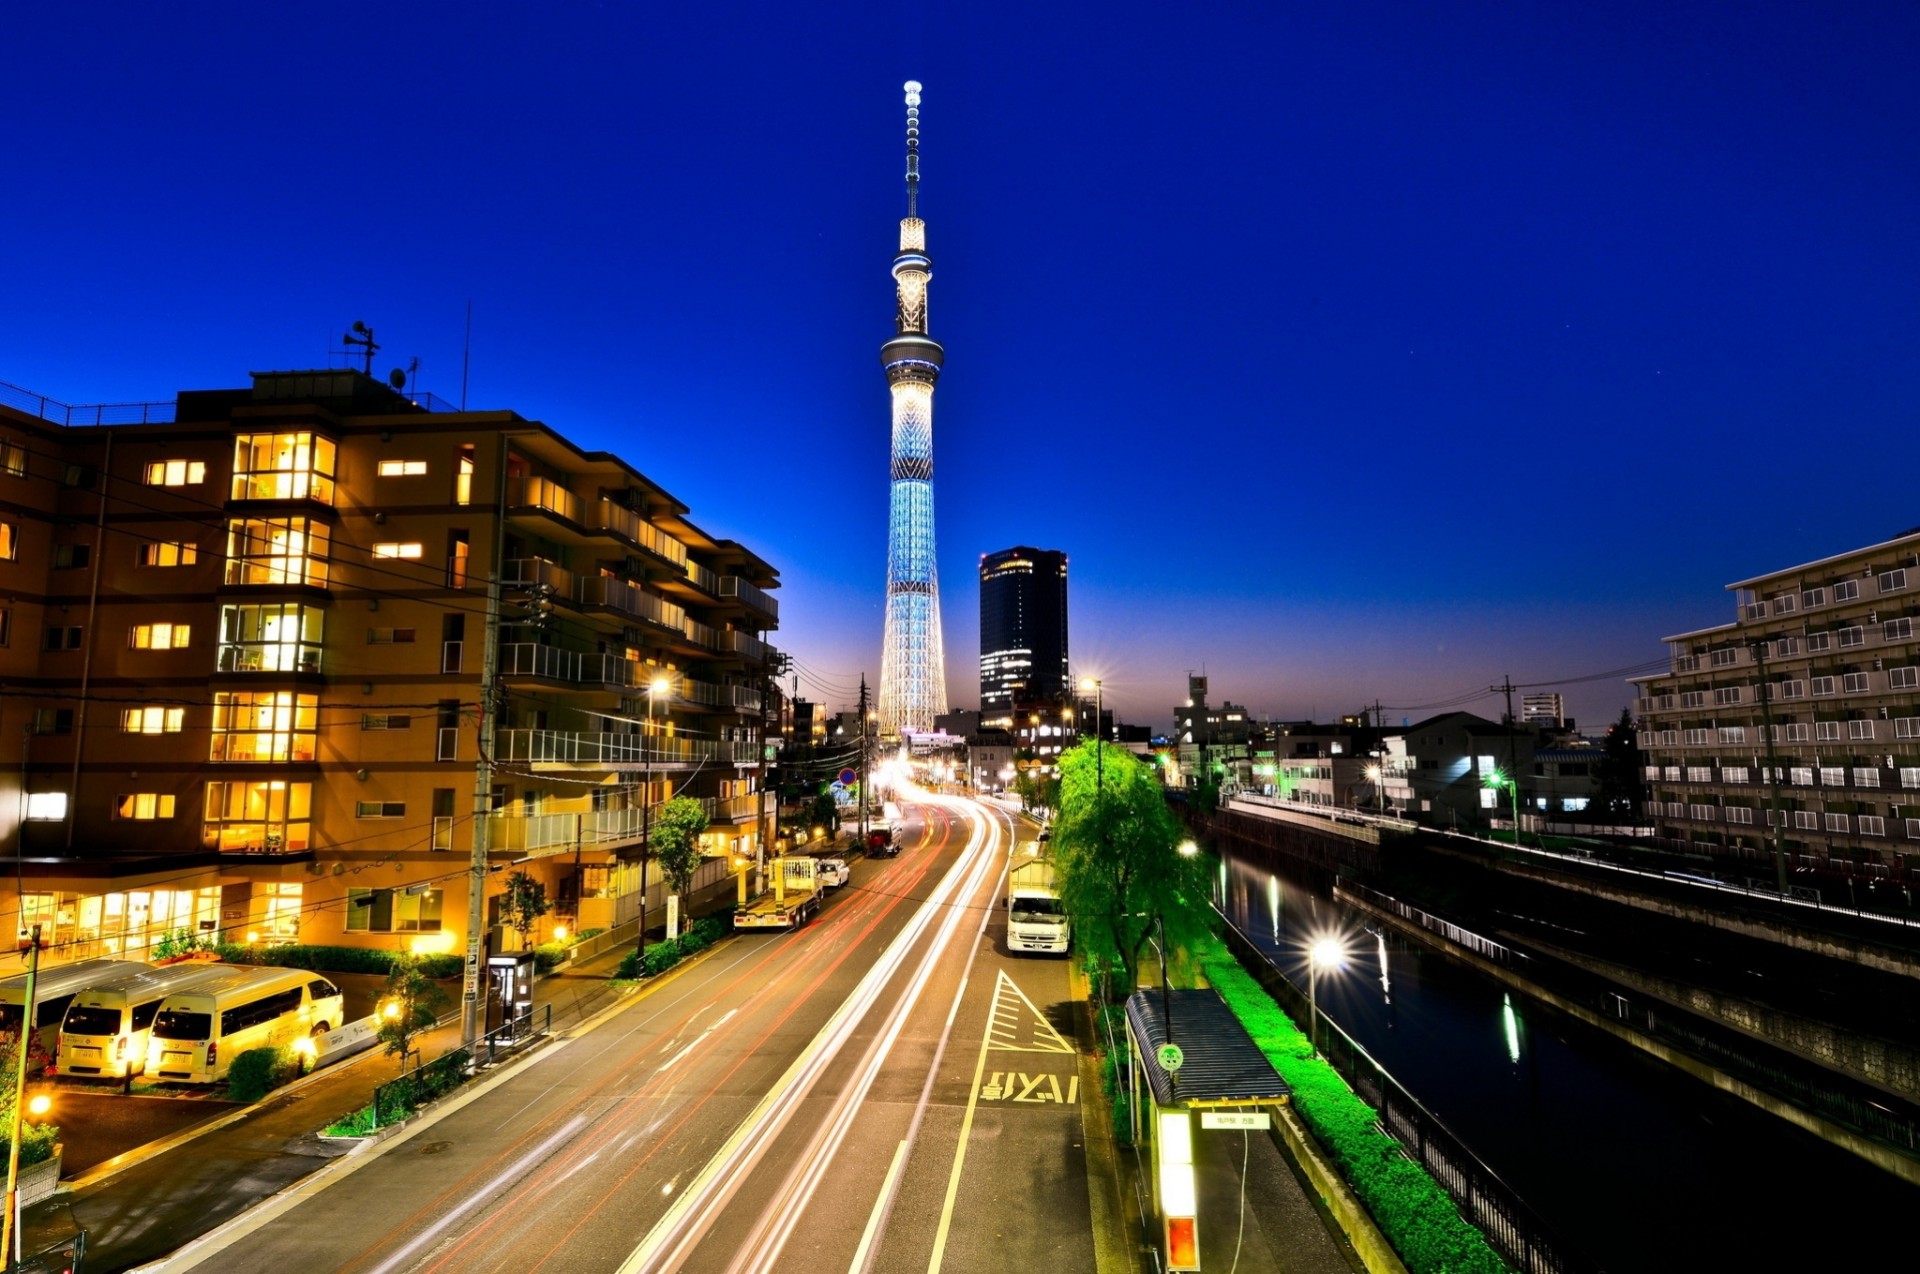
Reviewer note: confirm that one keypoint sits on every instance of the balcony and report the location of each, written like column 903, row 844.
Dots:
column 623, row 523
column 597, row 829
column 701, row 635
column 522, row 572
column 628, row 751
column 745, row 645
column 741, row 698
column 610, row 593
column 547, row 496
column 587, row 669
column 735, row 587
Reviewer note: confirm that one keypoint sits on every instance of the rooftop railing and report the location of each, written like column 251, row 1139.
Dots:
column 89, row 414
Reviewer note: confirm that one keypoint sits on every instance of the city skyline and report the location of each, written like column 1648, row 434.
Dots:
column 1540, row 316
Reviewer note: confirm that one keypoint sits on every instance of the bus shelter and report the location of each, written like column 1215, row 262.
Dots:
column 1194, row 1070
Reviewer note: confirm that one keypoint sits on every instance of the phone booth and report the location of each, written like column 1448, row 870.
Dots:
column 510, row 993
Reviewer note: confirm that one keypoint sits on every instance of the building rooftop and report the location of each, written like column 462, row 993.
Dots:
column 1222, row 1064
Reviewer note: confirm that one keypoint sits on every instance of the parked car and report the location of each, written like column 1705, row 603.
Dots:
column 832, row 872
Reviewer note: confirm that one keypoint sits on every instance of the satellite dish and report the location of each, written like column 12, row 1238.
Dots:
column 397, row 378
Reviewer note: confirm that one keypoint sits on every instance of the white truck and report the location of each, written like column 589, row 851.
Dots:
column 790, row 903
column 1036, row 919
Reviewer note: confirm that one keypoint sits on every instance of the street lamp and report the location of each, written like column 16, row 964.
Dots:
column 1188, row 849
column 655, row 689
column 1497, row 780
column 1324, row 952
column 10, row 1228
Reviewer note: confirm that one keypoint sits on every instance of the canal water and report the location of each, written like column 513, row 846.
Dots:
column 1638, row 1166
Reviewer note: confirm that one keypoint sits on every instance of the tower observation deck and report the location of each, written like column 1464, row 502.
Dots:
column 913, row 685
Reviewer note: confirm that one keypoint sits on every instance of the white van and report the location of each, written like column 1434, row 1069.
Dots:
column 53, row 990
column 198, row 1032
column 105, row 1031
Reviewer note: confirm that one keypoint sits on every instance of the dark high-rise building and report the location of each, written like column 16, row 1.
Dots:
column 1023, row 630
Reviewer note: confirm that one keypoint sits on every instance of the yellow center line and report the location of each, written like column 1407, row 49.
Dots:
column 960, row 1151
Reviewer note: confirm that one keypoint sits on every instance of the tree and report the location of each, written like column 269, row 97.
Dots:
column 411, row 1004
column 675, row 840
column 1115, row 853
column 525, row 902
column 1618, row 788
column 1036, row 791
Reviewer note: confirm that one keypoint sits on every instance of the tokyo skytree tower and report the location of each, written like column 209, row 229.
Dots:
column 913, row 683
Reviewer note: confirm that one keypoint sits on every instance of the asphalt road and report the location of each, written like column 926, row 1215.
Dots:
column 884, row 1089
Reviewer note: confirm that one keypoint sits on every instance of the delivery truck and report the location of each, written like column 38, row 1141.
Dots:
column 790, row 903
column 1036, row 919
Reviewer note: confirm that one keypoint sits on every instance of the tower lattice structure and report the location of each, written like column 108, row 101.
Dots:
column 913, row 685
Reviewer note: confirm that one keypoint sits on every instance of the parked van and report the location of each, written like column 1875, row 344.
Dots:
column 199, row 1031
column 53, row 991
column 105, row 1031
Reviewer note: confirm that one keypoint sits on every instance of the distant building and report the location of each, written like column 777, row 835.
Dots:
column 1447, row 760
column 1207, row 737
column 1023, row 631
column 1808, row 703
column 961, row 721
column 1543, row 709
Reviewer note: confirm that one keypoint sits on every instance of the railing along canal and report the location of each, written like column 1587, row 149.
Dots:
column 1482, row 1196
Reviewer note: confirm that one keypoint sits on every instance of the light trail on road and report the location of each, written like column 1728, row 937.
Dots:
column 687, row 1221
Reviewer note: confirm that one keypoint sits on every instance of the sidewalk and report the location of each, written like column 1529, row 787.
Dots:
column 142, row 1205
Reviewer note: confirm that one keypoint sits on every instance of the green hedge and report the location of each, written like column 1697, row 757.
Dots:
column 333, row 959
column 662, row 956
column 259, row 1071
column 401, row 1097
column 1416, row 1215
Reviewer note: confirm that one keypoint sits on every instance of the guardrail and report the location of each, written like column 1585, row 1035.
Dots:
column 89, row 414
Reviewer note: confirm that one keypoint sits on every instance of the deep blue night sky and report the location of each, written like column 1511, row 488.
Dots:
column 1362, row 351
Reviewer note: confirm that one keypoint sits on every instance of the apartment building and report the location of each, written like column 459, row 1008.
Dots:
column 244, row 639
column 1807, row 704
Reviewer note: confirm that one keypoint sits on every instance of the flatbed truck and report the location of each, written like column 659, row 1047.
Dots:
column 790, row 903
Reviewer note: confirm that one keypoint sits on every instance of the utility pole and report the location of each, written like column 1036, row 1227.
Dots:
column 863, row 760
column 1513, row 763
column 483, row 767
column 772, row 664
column 1778, row 815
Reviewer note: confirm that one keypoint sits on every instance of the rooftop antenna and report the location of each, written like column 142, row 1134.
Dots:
column 913, row 147
column 466, row 355
column 362, row 335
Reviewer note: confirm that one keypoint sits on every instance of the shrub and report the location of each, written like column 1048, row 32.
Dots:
column 259, row 1071
column 1415, row 1214
column 661, row 956
column 333, row 959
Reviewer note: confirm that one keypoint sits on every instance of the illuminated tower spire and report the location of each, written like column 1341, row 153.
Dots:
column 913, row 682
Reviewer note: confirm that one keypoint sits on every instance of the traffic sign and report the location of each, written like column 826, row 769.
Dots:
column 1170, row 1057
column 848, row 777
column 1257, row 1121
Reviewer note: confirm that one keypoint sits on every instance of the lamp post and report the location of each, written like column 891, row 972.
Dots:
column 10, row 1227
column 1327, row 952
column 655, row 688
column 1496, row 780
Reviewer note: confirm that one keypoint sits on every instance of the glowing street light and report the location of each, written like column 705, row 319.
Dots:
column 1326, row 952
column 1497, row 779
column 1188, row 849
column 38, row 1105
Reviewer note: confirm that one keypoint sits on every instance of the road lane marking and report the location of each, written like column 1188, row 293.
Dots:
column 695, row 1043
column 1007, row 1019
column 960, row 1153
column 881, row 1206
column 520, row 1167
column 1019, row 1086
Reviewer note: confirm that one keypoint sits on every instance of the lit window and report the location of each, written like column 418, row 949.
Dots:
column 167, row 553
column 277, row 551
column 152, row 720
column 176, row 473
column 409, row 551
column 402, row 468
column 394, row 910
column 270, row 725
column 159, row 636
column 261, row 817
column 9, row 541
column 143, row 805
column 13, row 461
column 46, row 807
column 379, row 809
column 276, row 637
column 291, row 466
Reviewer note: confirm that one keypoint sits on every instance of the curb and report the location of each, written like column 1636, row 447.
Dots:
column 192, row 1253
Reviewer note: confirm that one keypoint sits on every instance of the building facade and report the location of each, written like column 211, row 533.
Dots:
column 248, row 638
column 1023, row 631
column 1799, row 720
column 913, row 677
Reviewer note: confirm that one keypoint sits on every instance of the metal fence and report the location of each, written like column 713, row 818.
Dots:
column 1513, row 1228
column 89, row 414
column 64, row 1257
column 1484, row 947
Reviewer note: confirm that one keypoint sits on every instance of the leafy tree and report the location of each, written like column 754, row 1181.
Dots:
column 525, row 902
column 1619, row 789
column 37, row 1139
column 674, row 838
column 412, row 1003
column 1114, row 849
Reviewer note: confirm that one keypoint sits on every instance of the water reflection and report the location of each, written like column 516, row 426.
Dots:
column 1645, row 1169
